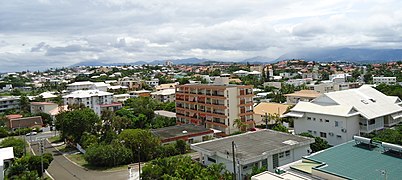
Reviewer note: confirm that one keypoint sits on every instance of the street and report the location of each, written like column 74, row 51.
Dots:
column 62, row 168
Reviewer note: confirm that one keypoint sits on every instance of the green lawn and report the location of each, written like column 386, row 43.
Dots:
column 79, row 159
column 55, row 139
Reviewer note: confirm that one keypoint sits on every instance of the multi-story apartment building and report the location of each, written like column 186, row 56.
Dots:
column 338, row 116
column 215, row 106
column 94, row 99
column 9, row 102
column 87, row 85
column 384, row 80
column 42, row 107
column 166, row 95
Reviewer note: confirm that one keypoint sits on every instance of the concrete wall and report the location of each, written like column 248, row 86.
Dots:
column 326, row 124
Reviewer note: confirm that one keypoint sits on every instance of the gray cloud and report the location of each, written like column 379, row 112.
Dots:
column 44, row 33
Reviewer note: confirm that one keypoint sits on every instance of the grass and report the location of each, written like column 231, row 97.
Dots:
column 64, row 149
column 55, row 139
column 79, row 159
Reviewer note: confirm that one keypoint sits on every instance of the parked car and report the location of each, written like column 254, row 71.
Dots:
column 31, row 133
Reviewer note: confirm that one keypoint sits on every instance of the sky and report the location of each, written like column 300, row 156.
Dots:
column 40, row 34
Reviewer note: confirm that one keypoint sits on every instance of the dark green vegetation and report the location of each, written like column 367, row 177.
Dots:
column 182, row 167
column 318, row 145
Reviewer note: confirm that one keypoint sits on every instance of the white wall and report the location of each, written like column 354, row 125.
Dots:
column 351, row 124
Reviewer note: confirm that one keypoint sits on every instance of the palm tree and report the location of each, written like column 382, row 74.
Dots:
column 240, row 124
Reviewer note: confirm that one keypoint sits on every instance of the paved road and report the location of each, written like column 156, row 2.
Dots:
column 61, row 168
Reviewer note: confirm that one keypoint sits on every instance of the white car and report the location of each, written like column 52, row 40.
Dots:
column 31, row 133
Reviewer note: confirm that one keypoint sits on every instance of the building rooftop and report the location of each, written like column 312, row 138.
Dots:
column 175, row 132
column 87, row 93
column 165, row 113
column 353, row 161
column 80, row 83
column 254, row 144
column 304, row 93
column 164, row 92
column 6, row 153
column 270, row 108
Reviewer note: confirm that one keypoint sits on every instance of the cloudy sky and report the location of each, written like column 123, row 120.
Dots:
column 38, row 34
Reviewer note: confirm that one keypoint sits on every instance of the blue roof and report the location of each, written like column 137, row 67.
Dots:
column 353, row 161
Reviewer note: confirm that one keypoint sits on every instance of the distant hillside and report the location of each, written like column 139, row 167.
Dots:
column 257, row 60
column 346, row 54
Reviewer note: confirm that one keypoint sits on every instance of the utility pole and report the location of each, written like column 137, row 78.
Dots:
column 234, row 160
column 139, row 162
column 41, row 146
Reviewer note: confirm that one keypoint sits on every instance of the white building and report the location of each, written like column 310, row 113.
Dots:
column 9, row 102
column 263, row 148
column 338, row 116
column 87, row 85
column 121, row 97
column 153, row 82
column 385, row 80
column 166, row 95
column 94, row 99
column 6, row 154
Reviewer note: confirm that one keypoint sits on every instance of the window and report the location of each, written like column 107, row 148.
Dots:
column 323, row 134
column 281, row 155
column 287, row 153
column 308, row 118
column 310, row 131
column 212, row 160
column 336, row 124
column 313, row 119
column 338, row 136
column 371, row 121
column 326, row 120
column 320, row 120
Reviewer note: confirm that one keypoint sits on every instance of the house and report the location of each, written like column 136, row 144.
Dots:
column 9, row 102
column 121, row 97
column 215, row 106
column 142, row 93
column 338, row 116
column 302, row 95
column 263, row 148
column 94, row 99
column 357, row 159
column 27, row 122
column 6, row 154
column 42, row 107
column 265, row 109
column 384, row 80
column 166, row 86
column 186, row 132
column 166, row 95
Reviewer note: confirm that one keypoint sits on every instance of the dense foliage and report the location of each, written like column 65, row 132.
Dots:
column 17, row 143
column 318, row 145
column 393, row 136
column 29, row 167
column 182, row 167
column 108, row 155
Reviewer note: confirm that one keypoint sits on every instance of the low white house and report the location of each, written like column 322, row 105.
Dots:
column 5, row 154
column 338, row 116
column 263, row 148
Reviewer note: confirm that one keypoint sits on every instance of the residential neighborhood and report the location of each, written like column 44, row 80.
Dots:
column 253, row 125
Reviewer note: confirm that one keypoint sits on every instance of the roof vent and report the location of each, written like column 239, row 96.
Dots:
column 372, row 100
column 364, row 101
column 184, row 132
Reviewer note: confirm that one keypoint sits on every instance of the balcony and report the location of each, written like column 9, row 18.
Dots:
column 368, row 126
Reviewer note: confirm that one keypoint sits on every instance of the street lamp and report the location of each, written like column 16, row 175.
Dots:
column 234, row 159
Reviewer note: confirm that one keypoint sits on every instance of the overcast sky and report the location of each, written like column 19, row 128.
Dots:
column 38, row 34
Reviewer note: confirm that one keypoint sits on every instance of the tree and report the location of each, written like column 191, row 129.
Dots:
column 73, row 124
column 181, row 146
column 240, row 124
column 182, row 167
column 318, row 145
column 140, row 140
column 29, row 167
column 47, row 119
column 24, row 104
column 108, row 155
column 17, row 144
column 280, row 127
